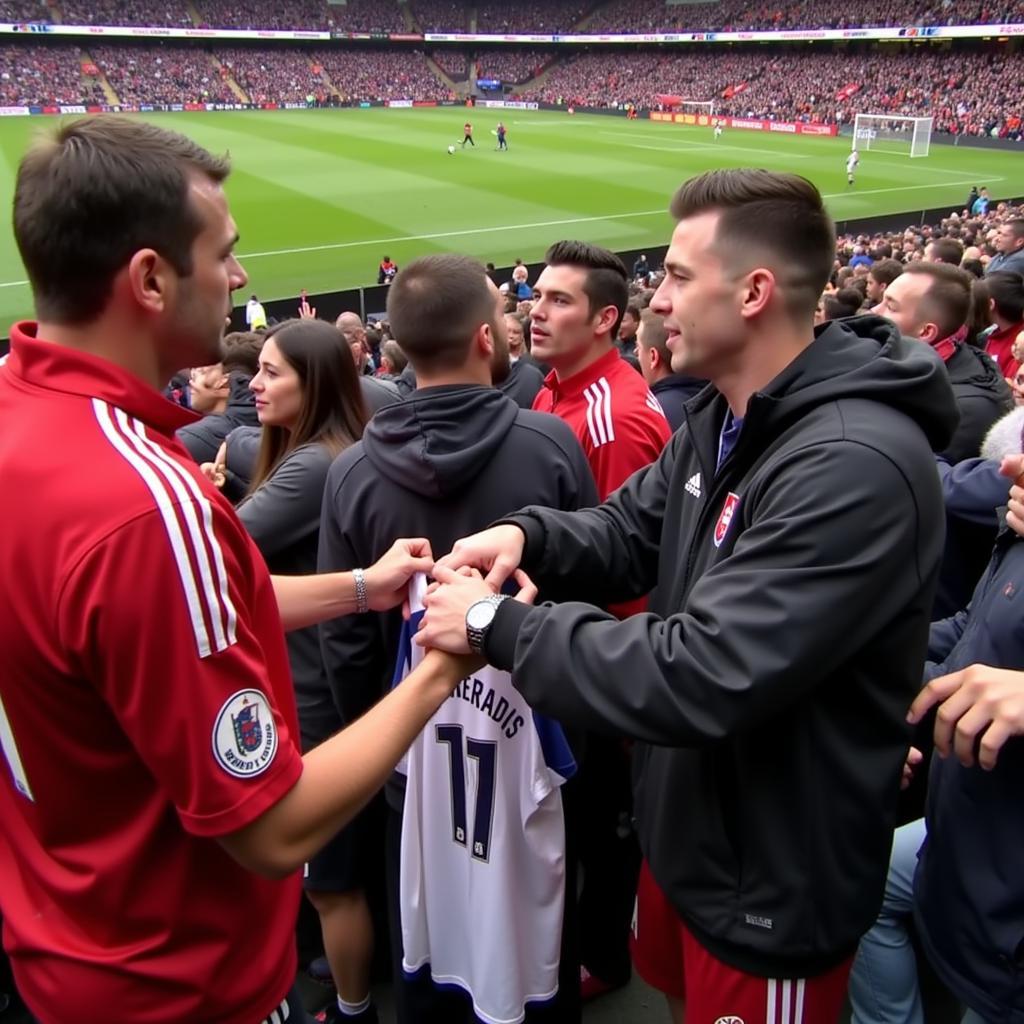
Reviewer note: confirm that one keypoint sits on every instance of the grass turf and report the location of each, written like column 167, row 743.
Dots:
column 321, row 195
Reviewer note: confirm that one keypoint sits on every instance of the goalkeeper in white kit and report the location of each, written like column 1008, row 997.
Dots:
column 851, row 167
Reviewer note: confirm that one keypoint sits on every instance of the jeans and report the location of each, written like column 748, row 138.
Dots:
column 883, row 982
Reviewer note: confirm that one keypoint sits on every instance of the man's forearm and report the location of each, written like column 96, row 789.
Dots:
column 309, row 600
column 341, row 775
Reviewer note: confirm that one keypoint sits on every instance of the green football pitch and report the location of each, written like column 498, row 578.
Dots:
column 321, row 195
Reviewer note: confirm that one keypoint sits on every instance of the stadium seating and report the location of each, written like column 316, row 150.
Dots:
column 528, row 16
column 974, row 96
column 743, row 15
column 440, row 15
column 125, row 12
column 454, row 63
column 513, row 65
column 310, row 15
column 281, row 76
column 792, row 86
column 161, row 74
column 380, row 74
column 37, row 74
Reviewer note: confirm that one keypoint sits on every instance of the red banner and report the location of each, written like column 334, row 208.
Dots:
column 749, row 124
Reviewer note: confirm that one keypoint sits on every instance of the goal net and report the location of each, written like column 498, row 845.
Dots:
column 685, row 106
column 907, row 136
column 706, row 107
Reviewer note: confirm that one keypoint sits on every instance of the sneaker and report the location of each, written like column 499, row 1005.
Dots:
column 591, row 986
column 332, row 1015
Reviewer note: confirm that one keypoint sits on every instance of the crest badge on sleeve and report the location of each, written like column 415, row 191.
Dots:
column 725, row 518
column 244, row 734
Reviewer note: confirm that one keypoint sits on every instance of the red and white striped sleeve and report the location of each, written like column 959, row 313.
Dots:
column 173, row 621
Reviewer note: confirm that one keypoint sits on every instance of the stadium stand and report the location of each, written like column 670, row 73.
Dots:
column 38, row 74
column 124, row 12
column 370, row 75
column 161, row 74
column 311, row 15
column 440, row 15
column 513, row 65
column 536, row 16
column 454, row 63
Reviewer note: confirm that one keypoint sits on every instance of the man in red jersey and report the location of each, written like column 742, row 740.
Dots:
column 155, row 805
column 579, row 301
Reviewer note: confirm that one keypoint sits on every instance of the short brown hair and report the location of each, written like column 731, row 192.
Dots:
column 768, row 211
column 435, row 305
column 1016, row 225
column 946, row 250
column 241, row 352
column 654, row 335
column 607, row 280
column 91, row 195
column 392, row 352
column 947, row 303
column 885, row 271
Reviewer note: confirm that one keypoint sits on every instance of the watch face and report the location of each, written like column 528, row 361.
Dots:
column 480, row 615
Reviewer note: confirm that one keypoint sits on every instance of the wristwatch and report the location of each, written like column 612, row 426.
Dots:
column 479, row 618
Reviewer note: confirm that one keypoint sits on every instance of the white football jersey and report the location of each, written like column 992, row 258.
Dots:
column 851, row 163
column 483, row 842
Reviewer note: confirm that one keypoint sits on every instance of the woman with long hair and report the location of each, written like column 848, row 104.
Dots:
column 310, row 405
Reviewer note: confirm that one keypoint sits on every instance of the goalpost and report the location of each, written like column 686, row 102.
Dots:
column 679, row 105
column 889, row 133
column 705, row 107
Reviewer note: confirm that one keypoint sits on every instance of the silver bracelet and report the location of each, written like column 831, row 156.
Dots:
column 362, row 602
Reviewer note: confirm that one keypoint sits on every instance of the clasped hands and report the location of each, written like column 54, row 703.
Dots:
column 477, row 567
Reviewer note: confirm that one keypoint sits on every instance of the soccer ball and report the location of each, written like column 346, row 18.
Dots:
column 451, row 150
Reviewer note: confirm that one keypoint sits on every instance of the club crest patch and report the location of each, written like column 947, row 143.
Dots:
column 725, row 518
column 244, row 734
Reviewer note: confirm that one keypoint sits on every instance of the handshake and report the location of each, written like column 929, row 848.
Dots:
column 472, row 574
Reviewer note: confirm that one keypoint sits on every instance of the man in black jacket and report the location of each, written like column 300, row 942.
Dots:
column 672, row 390
column 931, row 302
column 451, row 458
column 221, row 393
column 791, row 532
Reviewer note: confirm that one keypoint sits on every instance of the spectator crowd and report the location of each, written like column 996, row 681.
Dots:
column 514, row 66
column 546, row 17
column 970, row 95
column 32, row 74
column 764, row 492
column 161, row 74
column 454, row 63
column 625, row 16
column 368, row 75
column 280, row 76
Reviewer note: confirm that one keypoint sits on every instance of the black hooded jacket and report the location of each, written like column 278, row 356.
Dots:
column 788, row 622
column 204, row 438
column 983, row 397
column 443, row 464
